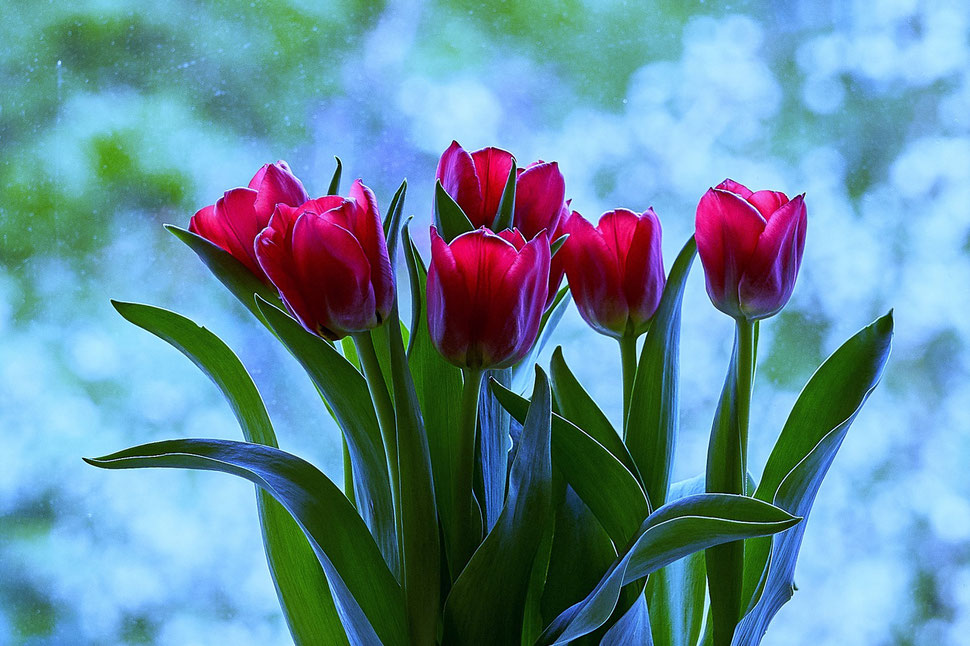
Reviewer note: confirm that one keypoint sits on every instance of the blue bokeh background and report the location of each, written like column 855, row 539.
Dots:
column 118, row 116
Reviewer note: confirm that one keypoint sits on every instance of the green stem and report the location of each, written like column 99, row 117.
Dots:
column 385, row 416
column 348, row 472
column 746, row 355
column 464, row 539
column 628, row 359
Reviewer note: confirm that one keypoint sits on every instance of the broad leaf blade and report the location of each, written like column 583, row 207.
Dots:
column 486, row 604
column 672, row 532
column 299, row 579
column 494, row 445
column 811, row 437
column 450, row 220
column 505, row 217
column 346, row 394
column 653, row 417
column 632, row 628
column 367, row 597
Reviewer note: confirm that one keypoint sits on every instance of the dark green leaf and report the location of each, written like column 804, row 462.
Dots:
column 334, row 188
column 230, row 272
column 345, row 391
column 815, row 429
column 486, row 604
column 672, row 532
column 450, row 220
column 392, row 220
column 558, row 243
column 367, row 597
column 604, row 484
column 494, row 444
column 299, row 579
column 653, row 416
column 505, row 217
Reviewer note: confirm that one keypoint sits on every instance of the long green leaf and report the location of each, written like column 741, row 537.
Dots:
column 672, row 532
column 603, row 483
column 505, row 216
column 494, row 443
column 486, row 604
column 299, row 579
column 448, row 216
column 653, row 416
column 632, row 628
column 808, row 443
column 334, row 188
column 230, row 272
column 367, row 597
column 578, row 407
column 346, row 393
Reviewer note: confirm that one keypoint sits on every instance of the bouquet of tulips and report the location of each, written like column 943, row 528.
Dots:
column 470, row 513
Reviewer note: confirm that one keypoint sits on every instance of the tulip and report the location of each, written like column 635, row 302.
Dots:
column 615, row 270
column 476, row 181
column 750, row 244
column 329, row 261
column 235, row 220
column 486, row 294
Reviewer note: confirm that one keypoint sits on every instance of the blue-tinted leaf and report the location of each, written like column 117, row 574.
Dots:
column 450, row 220
column 345, row 391
column 522, row 371
column 300, row 582
column 672, row 532
column 799, row 461
column 494, row 444
column 367, row 597
column 653, row 417
column 486, row 604
column 632, row 628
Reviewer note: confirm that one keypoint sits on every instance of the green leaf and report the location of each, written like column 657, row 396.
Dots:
column 367, row 597
column 334, row 188
column 676, row 593
column 547, row 325
column 576, row 405
column 558, row 243
column 632, row 628
column 230, row 272
column 653, row 417
column 505, row 217
column 486, row 604
column 604, row 484
column 493, row 444
column 438, row 385
column 450, row 220
column 392, row 220
column 808, row 443
column 345, row 391
column 672, row 532
column 299, row 579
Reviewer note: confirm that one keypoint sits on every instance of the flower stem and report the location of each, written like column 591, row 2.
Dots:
column 628, row 359
column 464, row 537
column 348, row 472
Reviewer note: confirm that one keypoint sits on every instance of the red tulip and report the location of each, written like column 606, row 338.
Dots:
column 615, row 270
column 486, row 293
column 750, row 244
column 477, row 180
column 328, row 259
column 235, row 220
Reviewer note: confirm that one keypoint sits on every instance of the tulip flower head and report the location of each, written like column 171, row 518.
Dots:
column 615, row 270
column 328, row 259
column 235, row 220
column 477, row 180
column 486, row 293
column 751, row 245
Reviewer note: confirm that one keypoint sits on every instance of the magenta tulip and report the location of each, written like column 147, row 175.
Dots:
column 615, row 270
column 486, row 293
column 235, row 220
column 750, row 244
column 328, row 259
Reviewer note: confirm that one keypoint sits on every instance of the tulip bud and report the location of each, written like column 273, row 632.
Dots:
column 235, row 220
column 329, row 261
column 476, row 181
column 615, row 270
column 750, row 244
column 486, row 293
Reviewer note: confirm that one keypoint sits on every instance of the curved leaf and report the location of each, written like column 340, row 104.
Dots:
column 811, row 437
column 494, row 443
column 334, row 188
column 653, row 417
column 505, row 216
column 675, row 530
column 367, row 597
column 547, row 325
column 300, row 582
column 632, row 628
column 450, row 220
column 486, row 604
column 345, row 391
column 610, row 491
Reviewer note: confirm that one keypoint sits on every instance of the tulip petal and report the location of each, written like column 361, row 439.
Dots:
column 643, row 271
column 240, row 223
column 734, row 187
column 276, row 184
column 527, row 279
column 727, row 232
column 449, row 305
column 492, row 166
column 273, row 250
column 767, row 202
column 594, row 280
column 456, row 171
column 540, row 191
column 369, row 231
column 771, row 272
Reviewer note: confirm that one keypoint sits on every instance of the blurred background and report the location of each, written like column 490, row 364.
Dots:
column 117, row 117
